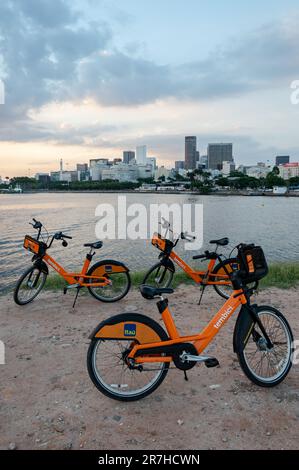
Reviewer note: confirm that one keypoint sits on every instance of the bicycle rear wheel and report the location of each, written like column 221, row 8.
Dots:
column 224, row 287
column 263, row 366
column 107, row 362
column 116, row 273
column 29, row 285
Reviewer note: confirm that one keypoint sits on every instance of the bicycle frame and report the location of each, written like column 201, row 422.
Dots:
column 200, row 340
column 79, row 278
column 200, row 277
column 76, row 278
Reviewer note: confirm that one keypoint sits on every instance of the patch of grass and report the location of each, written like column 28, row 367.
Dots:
column 55, row 282
column 283, row 275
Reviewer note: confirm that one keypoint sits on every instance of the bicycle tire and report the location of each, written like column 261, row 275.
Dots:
column 107, row 388
column 158, row 266
column 100, row 293
column 16, row 294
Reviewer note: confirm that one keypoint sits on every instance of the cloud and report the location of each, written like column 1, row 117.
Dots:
column 49, row 53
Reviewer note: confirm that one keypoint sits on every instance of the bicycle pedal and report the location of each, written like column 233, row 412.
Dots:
column 212, row 362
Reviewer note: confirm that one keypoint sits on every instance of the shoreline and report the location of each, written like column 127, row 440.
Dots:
column 129, row 191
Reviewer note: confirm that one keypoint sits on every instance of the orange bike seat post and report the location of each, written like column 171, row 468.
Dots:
column 167, row 318
column 86, row 264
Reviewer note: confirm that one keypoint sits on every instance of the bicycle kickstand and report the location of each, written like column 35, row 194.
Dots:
column 76, row 296
column 202, row 291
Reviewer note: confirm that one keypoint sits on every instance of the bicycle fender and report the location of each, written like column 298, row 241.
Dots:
column 100, row 267
column 128, row 326
column 40, row 264
column 243, row 327
column 168, row 264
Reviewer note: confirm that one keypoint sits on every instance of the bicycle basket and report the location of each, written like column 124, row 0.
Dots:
column 252, row 262
column 163, row 244
column 35, row 246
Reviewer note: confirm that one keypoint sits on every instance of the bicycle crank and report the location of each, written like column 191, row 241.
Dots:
column 208, row 360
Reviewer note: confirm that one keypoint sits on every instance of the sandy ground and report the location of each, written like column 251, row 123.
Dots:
column 47, row 400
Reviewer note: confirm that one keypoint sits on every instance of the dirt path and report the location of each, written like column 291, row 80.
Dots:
column 47, row 400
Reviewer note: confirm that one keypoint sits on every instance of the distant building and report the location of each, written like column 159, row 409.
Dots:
column 152, row 161
column 282, row 160
column 120, row 172
column 128, row 156
column 203, row 161
column 179, row 165
column 69, row 176
column 219, row 153
column 97, row 165
column 162, row 172
column 257, row 171
column 82, row 166
column 43, row 178
column 116, row 161
column 243, row 168
column 141, row 152
column 289, row 170
column 55, row 176
column 83, row 173
column 190, row 153
column 145, row 171
column 228, row 168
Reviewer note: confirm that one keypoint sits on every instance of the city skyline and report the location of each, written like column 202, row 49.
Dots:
column 94, row 79
column 227, row 156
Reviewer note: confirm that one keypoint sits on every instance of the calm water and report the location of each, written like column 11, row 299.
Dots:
column 271, row 222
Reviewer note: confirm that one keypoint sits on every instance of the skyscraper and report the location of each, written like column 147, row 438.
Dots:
column 128, row 155
column 190, row 152
column 141, row 155
column 282, row 160
column 219, row 153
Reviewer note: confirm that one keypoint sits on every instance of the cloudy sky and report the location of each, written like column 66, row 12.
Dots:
column 91, row 78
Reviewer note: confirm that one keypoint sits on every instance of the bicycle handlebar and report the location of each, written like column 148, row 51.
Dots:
column 186, row 236
column 60, row 235
column 37, row 224
column 199, row 257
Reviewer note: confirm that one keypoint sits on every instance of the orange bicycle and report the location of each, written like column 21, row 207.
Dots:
column 130, row 354
column 217, row 275
column 106, row 280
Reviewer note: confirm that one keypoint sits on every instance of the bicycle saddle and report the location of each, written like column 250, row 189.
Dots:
column 222, row 241
column 149, row 292
column 95, row 245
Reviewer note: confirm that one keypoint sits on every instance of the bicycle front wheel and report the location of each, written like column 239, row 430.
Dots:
column 29, row 285
column 263, row 366
column 119, row 281
column 158, row 276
